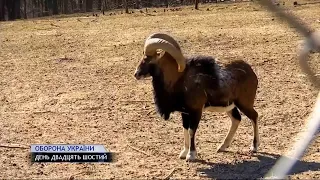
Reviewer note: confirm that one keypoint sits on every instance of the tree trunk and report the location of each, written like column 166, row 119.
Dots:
column 65, row 6
column 2, row 10
column 149, row 3
column 166, row 2
column 58, row 6
column 125, row 4
column 46, row 5
column 136, row 4
column 99, row 4
column 17, row 6
column 196, row 6
column 102, row 6
column 83, row 6
column 89, row 5
column 41, row 7
column 62, row 7
column 11, row 10
column 32, row 8
column 105, row 5
column 25, row 9
column 55, row 7
column 72, row 6
column 47, row 11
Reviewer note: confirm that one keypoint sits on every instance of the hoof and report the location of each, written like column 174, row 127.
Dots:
column 183, row 154
column 253, row 149
column 222, row 148
column 191, row 156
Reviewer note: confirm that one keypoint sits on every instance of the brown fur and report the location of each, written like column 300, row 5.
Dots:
column 169, row 67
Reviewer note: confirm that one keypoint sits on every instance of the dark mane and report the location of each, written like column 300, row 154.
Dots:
column 162, row 98
column 166, row 102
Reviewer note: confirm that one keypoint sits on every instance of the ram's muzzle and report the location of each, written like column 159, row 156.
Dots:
column 143, row 69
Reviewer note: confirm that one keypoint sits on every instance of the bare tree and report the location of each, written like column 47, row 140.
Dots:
column 166, row 2
column 89, row 5
column 41, row 7
column 103, row 6
column 99, row 4
column 25, row 9
column 125, row 4
column 55, row 9
column 196, row 4
column 11, row 7
column 65, row 6
column 2, row 10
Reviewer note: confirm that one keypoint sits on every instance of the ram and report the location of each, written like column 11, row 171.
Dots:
column 191, row 85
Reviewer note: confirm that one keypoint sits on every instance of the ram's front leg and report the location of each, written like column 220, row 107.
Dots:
column 184, row 152
column 190, row 123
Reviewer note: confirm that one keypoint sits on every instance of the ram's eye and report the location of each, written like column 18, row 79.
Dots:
column 147, row 59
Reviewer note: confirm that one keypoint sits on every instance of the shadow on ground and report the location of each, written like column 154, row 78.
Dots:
column 249, row 169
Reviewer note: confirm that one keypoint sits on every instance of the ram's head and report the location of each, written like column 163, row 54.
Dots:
column 157, row 47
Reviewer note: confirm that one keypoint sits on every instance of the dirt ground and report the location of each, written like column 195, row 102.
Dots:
column 70, row 80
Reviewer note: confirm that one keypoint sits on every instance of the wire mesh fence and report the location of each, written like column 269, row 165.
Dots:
column 312, row 44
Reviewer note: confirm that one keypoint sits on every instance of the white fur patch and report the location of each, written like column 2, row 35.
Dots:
column 183, row 153
column 253, row 149
column 192, row 155
column 185, row 150
column 232, row 130
column 220, row 108
column 186, row 138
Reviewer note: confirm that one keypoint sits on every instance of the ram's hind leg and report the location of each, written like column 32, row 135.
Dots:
column 253, row 116
column 235, row 121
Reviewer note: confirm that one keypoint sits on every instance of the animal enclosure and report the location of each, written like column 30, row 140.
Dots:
column 70, row 80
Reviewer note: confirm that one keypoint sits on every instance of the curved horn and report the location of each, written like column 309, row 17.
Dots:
column 153, row 44
column 166, row 37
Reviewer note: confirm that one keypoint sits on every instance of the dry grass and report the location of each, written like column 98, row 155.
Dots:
column 70, row 80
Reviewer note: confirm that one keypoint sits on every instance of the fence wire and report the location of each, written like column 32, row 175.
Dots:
column 311, row 44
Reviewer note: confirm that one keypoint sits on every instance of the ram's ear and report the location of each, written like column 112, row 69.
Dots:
column 160, row 54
